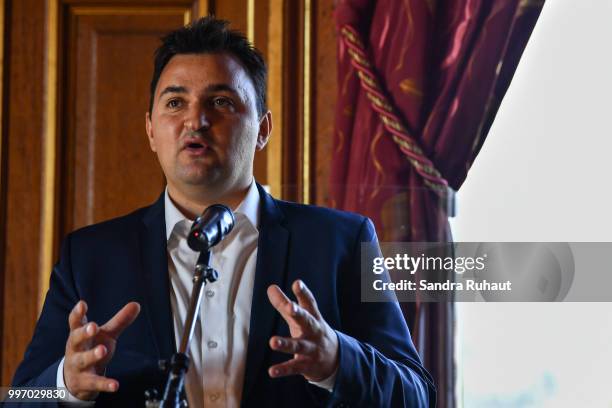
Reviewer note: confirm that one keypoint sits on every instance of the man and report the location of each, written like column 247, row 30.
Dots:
column 118, row 296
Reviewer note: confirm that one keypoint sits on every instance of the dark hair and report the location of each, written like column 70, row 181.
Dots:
column 209, row 35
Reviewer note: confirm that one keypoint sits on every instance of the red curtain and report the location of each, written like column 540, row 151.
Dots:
column 419, row 84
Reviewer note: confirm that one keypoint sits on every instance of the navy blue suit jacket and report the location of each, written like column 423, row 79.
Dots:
column 125, row 259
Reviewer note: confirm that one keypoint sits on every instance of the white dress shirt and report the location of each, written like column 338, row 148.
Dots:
column 219, row 344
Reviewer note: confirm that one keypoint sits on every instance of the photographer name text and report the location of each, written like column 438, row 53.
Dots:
column 449, row 285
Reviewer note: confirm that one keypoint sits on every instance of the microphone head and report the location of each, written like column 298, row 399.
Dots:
column 211, row 227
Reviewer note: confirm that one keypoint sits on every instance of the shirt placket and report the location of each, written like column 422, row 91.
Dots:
column 214, row 331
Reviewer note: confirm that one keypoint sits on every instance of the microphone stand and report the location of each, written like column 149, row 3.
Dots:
column 179, row 363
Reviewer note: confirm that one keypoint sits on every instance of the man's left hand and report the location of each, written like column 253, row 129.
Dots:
column 313, row 343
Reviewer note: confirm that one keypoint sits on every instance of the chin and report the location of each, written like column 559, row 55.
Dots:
column 202, row 178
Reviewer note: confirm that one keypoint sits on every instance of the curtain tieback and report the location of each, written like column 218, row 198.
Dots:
column 382, row 106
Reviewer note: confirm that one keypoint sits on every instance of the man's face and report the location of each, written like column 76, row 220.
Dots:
column 204, row 124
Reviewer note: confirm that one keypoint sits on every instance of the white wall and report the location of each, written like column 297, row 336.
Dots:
column 544, row 175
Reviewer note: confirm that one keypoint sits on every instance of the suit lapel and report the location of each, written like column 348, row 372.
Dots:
column 271, row 269
column 154, row 270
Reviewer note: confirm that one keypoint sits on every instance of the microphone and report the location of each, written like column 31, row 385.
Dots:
column 210, row 228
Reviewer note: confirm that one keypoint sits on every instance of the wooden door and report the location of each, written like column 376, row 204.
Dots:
column 107, row 167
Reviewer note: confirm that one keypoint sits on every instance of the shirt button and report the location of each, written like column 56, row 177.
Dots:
column 212, row 344
column 214, row 397
column 210, row 293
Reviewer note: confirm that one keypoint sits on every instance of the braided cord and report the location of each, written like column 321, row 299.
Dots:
column 381, row 105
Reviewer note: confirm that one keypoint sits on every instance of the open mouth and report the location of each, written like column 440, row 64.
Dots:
column 196, row 148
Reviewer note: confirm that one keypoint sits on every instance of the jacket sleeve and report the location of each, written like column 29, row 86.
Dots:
column 378, row 363
column 44, row 353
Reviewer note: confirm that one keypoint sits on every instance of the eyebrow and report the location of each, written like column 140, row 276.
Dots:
column 210, row 88
column 173, row 89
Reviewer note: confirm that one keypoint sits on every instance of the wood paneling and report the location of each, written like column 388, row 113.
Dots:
column 324, row 95
column 258, row 24
column 2, row 173
column 24, row 138
column 235, row 11
column 276, row 68
column 293, row 101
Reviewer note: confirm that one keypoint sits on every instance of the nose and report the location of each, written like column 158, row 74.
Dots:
column 197, row 119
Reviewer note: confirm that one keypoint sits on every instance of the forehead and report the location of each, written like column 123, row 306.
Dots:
column 197, row 71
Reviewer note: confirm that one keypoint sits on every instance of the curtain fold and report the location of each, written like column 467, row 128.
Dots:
column 419, row 84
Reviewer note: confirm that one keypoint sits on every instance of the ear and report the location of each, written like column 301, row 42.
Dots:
column 265, row 130
column 149, row 129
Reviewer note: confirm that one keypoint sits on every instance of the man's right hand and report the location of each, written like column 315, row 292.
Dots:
column 90, row 348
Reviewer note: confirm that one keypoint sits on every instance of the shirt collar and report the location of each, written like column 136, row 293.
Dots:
column 248, row 208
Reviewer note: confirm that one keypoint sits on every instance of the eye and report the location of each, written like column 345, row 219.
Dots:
column 173, row 103
column 222, row 102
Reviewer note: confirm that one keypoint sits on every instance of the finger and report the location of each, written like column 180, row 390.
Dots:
column 77, row 316
column 305, row 298
column 84, row 360
column 292, row 346
column 122, row 319
column 277, row 297
column 292, row 367
column 291, row 311
column 303, row 319
column 93, row 382
column 78, row 338
column 281, row 302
